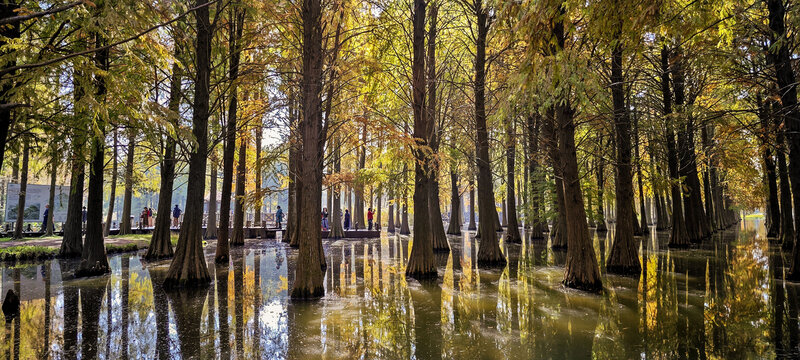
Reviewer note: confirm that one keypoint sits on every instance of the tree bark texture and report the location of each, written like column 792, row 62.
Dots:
column 489, row 253
column 624, row 257
column 188, row 266
column 421, row 261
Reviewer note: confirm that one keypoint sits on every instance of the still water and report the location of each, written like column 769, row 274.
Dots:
column 724, row 299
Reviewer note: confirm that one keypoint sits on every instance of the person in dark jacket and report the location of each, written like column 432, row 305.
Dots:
column 279, row 217
column 347, row 219
column 176, row 215
column 46, row 215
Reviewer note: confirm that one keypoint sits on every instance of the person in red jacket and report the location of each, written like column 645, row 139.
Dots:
column 370, row 215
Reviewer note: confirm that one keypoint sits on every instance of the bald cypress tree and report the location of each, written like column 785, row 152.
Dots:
column 188, row 266
column 624, row 257
column 421, row 261
column 308, row 280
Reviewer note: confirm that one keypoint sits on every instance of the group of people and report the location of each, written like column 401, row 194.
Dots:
column 347, row 219
column 146, row 218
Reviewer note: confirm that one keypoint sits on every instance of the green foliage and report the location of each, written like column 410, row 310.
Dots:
column 27, row 253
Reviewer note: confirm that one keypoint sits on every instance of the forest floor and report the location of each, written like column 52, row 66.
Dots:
column 45, row 247
column 140, row 240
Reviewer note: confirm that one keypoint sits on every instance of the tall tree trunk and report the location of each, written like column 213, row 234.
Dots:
column 601, row 184
column 8, row 33
column 454, row 227
column 769, row 169
column 662, row 221
column 538, row 223
column 390, row 224
column 161, row 242
column 472, row 226
column 489, row 253
column 72, row 243
column 679, row 237
column 707, row 198
column 439, row 238
column 222, row 254
column 694, row 217
column 291, row 208
column 23, row 188
column 624, row 256
column 51, row 200
column 404, row 226
column 421, row 261
column 111, row 198
column 337, row 232
column 93, row 256
column 358, row 210
column 378, row 205
column 512, row 231
column 125, row 222
column 188, row 266
column 503, row 221
column 237, row 238
column 787, row 231
column 211, row 224
column 559, row 234
column 581, row 270
column 645, row 214
column 258, row 196
column 309, row 275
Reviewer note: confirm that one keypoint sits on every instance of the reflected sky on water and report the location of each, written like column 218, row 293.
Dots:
column 723, row 299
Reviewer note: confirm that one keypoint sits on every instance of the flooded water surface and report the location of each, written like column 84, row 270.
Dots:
column 723, row 299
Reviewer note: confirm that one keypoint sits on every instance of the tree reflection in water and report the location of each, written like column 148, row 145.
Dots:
column 725, row 298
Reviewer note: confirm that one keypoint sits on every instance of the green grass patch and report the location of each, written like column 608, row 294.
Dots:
column 112, row 249
column 26, row 252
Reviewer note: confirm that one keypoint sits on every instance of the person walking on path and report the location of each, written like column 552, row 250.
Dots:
column 46, row 215
column 279, row 217
column 176, row 215
column 347, row 219
column 325, row 219
column 370, row 216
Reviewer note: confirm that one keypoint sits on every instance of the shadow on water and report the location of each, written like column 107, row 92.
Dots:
column 725, row 298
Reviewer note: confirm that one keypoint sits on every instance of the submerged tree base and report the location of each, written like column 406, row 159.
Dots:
column 420, row 275
column 307, row 293
column 624, row 270
column 98, row 268
column 588, row 286
column 158, row 257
